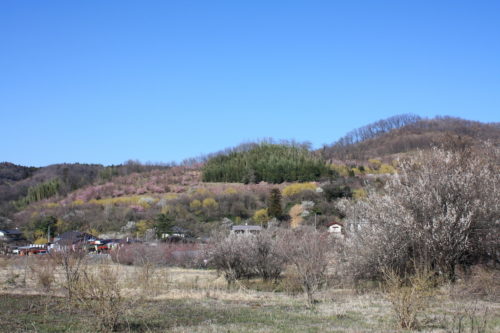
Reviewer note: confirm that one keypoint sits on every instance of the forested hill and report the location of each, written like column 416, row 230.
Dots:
column 404, row 133
column 274, row 163
column 20, row 185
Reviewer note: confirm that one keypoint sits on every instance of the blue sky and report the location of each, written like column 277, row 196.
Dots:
column 107, row 81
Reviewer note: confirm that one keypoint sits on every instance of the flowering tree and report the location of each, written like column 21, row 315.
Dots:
column 441, row 210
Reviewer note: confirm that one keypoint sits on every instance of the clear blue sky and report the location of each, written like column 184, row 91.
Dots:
column 106, row 81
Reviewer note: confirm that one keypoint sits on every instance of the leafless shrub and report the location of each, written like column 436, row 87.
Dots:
column 481, row 282
column 138, row 254
column 186, row 255
column 291, row 283
column 42, row 270
column 240, row 256
column 471, row 318
column 307, row 250
column 409, row 295
column 98, row 291
column 71, row 263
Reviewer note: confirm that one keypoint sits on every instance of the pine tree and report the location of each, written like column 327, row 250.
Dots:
column 274, row 204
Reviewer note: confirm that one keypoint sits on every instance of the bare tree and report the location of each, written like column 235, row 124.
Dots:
column 240, row 256
column 231, row 256
column 267, row 255
column 308, row 250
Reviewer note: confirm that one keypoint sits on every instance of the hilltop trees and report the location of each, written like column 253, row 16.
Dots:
column 441, row 210
column 265, row 162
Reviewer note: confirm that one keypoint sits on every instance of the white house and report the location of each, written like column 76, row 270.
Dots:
column 335, row 228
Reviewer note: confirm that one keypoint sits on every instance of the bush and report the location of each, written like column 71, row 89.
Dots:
column 42, row 270
column 409, row 295
column 239, row 256
column 261, row 216
column 99, row 292
column 294, row 189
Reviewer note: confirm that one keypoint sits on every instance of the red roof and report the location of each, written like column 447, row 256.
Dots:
column 334, row 223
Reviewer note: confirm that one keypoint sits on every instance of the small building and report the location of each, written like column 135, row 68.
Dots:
column 11, row 235
column 246, row 229
column 335, row 228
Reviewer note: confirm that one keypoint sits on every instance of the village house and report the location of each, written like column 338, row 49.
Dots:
column 11, row 235
column 244, row 229
column 71, row 239
column 336, row 229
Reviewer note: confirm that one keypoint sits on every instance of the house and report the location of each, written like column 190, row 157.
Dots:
column 10, row 240
column 245, row 229
column 73, row 237
column 177, row 234
column 335, row 228
column 11, row 235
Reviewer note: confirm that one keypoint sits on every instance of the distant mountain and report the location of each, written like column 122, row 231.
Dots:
column 376, row 141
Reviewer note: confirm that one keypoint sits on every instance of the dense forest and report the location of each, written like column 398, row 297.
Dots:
column 271, row 163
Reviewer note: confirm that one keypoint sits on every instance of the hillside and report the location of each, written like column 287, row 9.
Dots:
column 372, row 141
column 232, row 186
column 20, row 185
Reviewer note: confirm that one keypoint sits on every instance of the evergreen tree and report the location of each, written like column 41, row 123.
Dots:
column 163, row 224
column 274, row 204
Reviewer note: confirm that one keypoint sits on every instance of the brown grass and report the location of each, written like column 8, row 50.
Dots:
column 190, row 300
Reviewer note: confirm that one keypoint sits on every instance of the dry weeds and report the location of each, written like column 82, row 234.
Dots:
column 245, row 309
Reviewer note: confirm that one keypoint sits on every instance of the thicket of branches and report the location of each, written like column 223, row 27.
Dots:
column 265, row 162
column 266, row 255
column 441, row 210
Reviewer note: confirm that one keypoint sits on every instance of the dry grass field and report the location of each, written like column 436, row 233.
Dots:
column 160, row 299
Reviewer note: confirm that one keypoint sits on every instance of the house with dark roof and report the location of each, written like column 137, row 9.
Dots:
column 246, row 229
column 73, row 237
column 11, row 235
